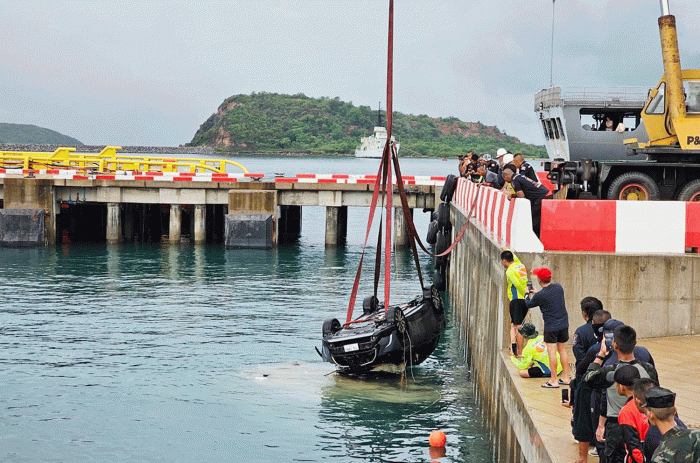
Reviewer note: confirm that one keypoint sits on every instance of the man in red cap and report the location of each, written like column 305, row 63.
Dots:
column 550, row 300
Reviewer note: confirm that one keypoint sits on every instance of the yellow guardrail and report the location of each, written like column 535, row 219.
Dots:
column 109, row 161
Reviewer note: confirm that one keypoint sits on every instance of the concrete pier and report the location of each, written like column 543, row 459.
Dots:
column 175, row 224
column 336, row 225
column 528, row 423
column 83, row 206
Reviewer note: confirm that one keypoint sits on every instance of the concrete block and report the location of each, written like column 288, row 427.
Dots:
column 22, row 227
column 249, row 231
column 252, row 202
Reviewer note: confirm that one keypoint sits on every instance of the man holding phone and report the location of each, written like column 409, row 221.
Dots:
column 550, row 300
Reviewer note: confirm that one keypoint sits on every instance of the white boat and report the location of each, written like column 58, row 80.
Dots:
column 372, row 146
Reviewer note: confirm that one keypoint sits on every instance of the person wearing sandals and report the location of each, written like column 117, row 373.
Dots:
column 550, row 300
column 534, row 362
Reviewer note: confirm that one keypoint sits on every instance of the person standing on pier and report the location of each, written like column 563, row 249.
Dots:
column 677, row 444
column 600, row 376
column 516, row 274
column 550, row 300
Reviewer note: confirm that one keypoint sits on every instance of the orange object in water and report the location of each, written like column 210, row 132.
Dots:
column 437, row 439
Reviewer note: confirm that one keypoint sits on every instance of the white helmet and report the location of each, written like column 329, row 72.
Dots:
column 501, row 152
column 507, row 159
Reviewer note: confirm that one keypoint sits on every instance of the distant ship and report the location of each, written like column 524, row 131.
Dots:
column 372, row 147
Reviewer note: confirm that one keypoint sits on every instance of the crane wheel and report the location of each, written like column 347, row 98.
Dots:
column 690, row 192
column 634, row 186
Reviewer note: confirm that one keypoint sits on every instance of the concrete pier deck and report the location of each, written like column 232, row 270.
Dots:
column 677, row 361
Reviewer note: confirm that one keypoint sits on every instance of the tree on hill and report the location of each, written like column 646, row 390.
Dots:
column 31, row 134
column 270, row 122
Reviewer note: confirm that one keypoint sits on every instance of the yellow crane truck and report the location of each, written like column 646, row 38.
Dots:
column 635, row 147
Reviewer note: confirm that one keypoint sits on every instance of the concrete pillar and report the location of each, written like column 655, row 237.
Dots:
column 128, row 219
column 114, row 223
column 200, row 221
column 400, row 228
column 175, row 228
column 289, row 227
column 336, row 225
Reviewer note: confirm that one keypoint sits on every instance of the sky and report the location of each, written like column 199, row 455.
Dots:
column 150, row 72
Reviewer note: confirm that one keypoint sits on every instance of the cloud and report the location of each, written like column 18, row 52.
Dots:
column 129, row 72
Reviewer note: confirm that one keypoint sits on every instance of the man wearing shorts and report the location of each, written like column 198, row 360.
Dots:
column 550, row 300
column 516, row 274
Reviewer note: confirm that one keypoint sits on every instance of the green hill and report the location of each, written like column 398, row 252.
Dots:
column 31, row 134
column 274, row 123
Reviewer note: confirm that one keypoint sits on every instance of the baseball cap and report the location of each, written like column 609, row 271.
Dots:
column 543, row 273
column 612, row 325
column 501, row 152
column 659, row 397
column 625, row 375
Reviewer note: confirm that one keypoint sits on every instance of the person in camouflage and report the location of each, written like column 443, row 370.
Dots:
column 677, row 445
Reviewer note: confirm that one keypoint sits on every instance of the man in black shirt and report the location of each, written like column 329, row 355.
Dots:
column 525, row 187
column 524, row 168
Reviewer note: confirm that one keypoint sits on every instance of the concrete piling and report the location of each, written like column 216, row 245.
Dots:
column 114, row 223
column 336, row 225
column 400, row 228
column 200, row 217
column 175, row 228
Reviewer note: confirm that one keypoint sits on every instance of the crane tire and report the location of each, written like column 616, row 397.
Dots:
column 634, row 186
column 690, row 192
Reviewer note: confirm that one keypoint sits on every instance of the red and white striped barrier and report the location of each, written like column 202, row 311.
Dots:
column 639, row 227
column 67, row 174
column 506, row 221
column 360, row 179
column 70, row 174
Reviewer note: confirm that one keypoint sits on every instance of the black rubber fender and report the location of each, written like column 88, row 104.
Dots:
column 442, row 242
column 448, row 189
column 439, row 282
column 444, row 217
column 431, row 238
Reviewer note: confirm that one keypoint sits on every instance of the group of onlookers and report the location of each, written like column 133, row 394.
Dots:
column 509, row 173
column 619, row 411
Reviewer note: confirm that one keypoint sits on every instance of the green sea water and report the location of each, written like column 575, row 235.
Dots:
column 184, row 353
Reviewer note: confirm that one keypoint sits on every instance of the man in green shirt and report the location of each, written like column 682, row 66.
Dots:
column 677, row 445
column 516, row 274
